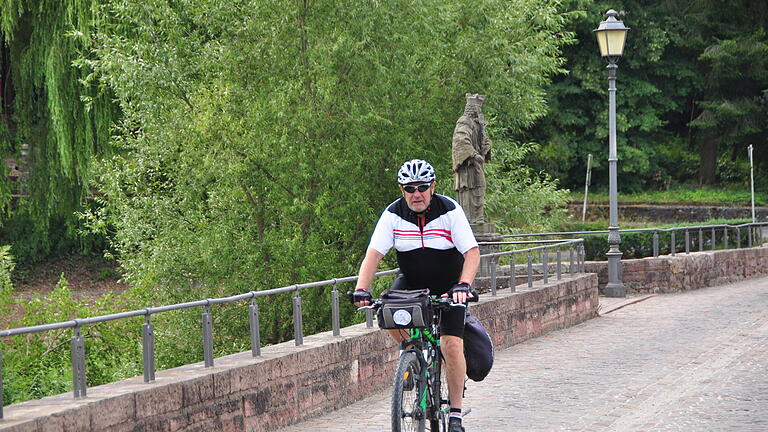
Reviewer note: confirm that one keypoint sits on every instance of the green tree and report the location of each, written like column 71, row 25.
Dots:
column 49, row 105
column 261, row 139
column 652, row 101
column 691, row 81
column 732, row 103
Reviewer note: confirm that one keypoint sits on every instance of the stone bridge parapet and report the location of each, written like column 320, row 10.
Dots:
column 288, row 383
column 683, row 272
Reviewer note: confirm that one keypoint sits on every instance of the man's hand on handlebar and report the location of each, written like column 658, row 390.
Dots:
column 361, row 297
column 462, row 292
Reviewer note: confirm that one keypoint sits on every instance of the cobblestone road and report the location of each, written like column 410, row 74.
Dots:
column 695, row 361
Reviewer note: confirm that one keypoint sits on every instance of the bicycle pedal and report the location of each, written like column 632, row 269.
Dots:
column 467, row 411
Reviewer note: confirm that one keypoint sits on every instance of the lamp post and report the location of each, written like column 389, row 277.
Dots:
column 611, row 35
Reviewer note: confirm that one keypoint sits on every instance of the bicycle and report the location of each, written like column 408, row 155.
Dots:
column 419, row 394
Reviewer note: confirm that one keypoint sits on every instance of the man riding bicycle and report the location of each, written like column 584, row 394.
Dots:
column 436, row 249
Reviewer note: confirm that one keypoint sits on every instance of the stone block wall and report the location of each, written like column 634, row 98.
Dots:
column 682, row 272
column 288, row 383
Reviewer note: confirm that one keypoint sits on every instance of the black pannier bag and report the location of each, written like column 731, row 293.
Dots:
column 404, row 309
column 478, row 349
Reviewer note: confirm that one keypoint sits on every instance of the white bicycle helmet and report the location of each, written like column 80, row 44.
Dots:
column 415, row 170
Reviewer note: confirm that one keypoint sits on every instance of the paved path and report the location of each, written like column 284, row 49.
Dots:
column 696, row 361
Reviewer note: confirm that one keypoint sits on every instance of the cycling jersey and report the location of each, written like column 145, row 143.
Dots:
column 430, row 245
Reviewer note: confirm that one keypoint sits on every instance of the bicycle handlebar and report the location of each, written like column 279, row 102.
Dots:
column 444, row 299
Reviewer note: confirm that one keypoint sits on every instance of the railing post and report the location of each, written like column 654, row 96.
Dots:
column 530, row 271
column 749, row 234
column 207, row 336
column 253, row 319
column 545, row 264
column 656, row 244
column 513, row 275
column 298, row 324
column 335, row 310
column 725, row 237
column 559, row 262
column 738, row 237
column 148, row 345
column 687, row 242
column 493, row 276
column 672, row 242
column 570, row 261
column 578, row 259
column 583, row 253
column 1, row 384
column 368, row 318
column 491, row 263
column 714, row 240
column 78, row 363
column 701, row 239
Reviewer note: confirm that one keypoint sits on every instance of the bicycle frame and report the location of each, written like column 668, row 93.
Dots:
column 422, row 347
column 425, row 343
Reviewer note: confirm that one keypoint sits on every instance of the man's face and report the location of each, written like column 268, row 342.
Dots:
column 418, row 200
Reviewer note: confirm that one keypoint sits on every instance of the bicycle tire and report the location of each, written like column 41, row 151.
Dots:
column 439, row 395
column 407, row 414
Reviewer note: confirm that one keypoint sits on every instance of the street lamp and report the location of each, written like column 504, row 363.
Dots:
column 611, row 35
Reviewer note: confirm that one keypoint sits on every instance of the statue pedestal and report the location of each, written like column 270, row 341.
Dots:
column 486, row 232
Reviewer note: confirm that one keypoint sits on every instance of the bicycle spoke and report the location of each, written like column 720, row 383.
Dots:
column 407, row 415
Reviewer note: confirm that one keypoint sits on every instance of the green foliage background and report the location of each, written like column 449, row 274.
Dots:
column 260, row 140
column 219, row 147
column 257, row 144
column 691, row 86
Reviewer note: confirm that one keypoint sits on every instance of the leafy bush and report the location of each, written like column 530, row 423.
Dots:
column 37, row 365
column 6, row 273
column 519, row 199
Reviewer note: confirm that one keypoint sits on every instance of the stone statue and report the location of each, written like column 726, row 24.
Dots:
column 471, row 149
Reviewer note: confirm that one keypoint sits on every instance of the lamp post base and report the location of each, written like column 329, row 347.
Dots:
column 615, row 289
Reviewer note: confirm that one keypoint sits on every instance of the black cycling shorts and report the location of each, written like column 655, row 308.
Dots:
column 451, row 321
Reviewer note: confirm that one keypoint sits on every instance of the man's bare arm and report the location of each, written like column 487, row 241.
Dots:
column 471, row 264
column 368, row 268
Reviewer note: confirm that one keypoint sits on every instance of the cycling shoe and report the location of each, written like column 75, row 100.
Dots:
column 454, row 425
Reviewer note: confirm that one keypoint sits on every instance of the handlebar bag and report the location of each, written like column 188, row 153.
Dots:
column 404, row 309
column 478, row 349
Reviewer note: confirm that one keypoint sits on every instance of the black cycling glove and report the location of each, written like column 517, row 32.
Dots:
column 460, row 287
column 360, row 295
column 463, row 287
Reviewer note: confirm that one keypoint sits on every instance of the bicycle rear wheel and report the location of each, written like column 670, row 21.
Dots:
column 407, row 413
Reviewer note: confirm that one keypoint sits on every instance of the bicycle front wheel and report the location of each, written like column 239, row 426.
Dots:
column 408, row 393
column 439, row 395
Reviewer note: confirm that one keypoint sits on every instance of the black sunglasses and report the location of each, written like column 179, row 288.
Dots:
column 421, row 188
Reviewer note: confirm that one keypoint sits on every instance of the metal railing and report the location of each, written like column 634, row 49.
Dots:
column 77, row 341
column 543, row 252
column 752, row 228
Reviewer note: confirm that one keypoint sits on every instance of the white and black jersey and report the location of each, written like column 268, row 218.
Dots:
column 430, row 245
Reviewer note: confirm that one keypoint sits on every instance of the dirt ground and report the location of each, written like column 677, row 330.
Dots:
column 84, row 274
column 89, row 276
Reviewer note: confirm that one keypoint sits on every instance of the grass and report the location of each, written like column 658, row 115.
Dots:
column 727, row 196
